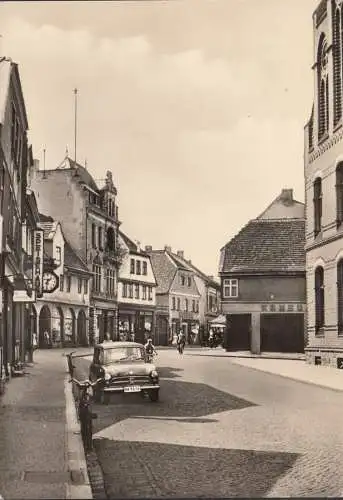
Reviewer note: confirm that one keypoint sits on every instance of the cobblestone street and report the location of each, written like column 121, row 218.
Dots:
column 220, row 429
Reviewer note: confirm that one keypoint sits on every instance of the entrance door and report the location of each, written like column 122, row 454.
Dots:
column 282, row 332
column 238, row 332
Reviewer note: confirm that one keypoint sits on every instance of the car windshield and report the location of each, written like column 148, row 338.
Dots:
column 123, row 354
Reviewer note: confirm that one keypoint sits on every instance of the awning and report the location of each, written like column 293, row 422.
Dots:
column 219, row 321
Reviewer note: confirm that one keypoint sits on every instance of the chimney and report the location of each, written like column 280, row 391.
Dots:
column 189, row 261
column 148, row 248
column 211, row 277
column 167, row 248
column 286, row 195
column 180, row 253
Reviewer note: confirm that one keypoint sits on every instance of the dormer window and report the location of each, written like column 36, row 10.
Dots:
column 323, row 89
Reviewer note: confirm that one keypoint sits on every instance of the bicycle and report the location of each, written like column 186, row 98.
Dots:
column 85, row 413
column 71, row 367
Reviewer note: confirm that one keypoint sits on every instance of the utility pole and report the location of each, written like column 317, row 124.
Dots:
column 75, row 124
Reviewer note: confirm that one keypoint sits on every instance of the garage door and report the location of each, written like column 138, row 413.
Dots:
column 282, row 332
column 237, row 336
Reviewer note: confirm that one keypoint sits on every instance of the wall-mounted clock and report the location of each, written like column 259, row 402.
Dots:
column 50, row 282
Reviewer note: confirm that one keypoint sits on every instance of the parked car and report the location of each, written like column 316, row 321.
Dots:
column 124, row 368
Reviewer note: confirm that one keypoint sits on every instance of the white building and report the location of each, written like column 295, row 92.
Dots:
column 63, row 314
column 136, row 292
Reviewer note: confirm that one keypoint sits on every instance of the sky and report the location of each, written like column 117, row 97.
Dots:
column 198, row 107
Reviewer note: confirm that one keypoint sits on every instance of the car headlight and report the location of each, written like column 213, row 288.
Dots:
column 107, row 376
column 154, row 374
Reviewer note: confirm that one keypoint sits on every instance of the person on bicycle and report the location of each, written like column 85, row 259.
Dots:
column 181, row 341
column 150, row 348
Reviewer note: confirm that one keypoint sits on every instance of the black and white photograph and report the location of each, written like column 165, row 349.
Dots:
column 171, row 249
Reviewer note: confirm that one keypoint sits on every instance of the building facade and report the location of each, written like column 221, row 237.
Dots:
column 177, row 297
column 262, row 271
column 14, row 159
column 89, row 217
column 324, row 190
column 62, row 317
column 136, row 293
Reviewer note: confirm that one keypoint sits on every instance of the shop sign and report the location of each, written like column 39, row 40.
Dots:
column 281, row 308
column 38, row 258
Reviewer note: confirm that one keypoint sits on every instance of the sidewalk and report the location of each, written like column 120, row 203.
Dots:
column 40, row 456
column 299, row 370
column 220, row 352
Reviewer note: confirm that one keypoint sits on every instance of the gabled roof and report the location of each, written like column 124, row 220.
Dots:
column 72, row 259
column 191, row 267
column 80, row 171
column 128, row 242
column 6, row 68
column 264, row 245
column 164, row 269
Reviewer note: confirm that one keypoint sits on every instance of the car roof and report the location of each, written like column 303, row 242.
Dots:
column 112, row 345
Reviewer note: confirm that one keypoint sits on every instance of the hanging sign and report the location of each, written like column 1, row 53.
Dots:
column 38, row 257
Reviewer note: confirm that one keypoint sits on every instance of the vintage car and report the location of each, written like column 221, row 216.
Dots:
column 124, row 368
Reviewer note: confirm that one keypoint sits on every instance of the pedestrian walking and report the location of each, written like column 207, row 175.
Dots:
column 181, row 341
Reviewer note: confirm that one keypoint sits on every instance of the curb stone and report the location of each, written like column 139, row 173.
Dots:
column 75, row 456
column 95, row 475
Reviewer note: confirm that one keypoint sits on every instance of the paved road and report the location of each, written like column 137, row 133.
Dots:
column 221, row 430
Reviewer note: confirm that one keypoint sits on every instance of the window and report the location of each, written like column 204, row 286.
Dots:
column 319, row 298
column 131, row 290
column 339, row 194
column 145, row 268
column 96, row 278
column 189, row 281
column 230, row 288
column 323, row 89
column 61, row 282
column 79, row 285
column 68, row 283
column 110, row 282
column 149, row 293
column 124, row 290
column 132, row 266
column 337, row 65
column 111, row 239
column 136, row 291
column 138, row 267
column 178, row 304
column 173, row 303
column 182, row 280
column 186, row 304
column 85, row 287
column 100, row 237
column 317, row 205
column 144, row 292
column 193, row 306
column 93, row 236
column 58, row 255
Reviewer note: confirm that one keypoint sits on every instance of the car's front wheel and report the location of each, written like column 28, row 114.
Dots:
column 154, row 395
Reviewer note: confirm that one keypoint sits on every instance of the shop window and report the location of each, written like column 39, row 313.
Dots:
column 319, row 299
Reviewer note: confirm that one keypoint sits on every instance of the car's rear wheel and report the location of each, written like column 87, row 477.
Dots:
column 154, row 395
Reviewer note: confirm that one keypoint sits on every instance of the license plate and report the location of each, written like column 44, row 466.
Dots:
column 132, row 388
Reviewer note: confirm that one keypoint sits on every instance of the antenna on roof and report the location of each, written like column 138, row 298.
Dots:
column 44, row 151
column 67, row 152
column 75, row 125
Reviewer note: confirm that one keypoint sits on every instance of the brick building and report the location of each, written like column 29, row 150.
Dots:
column 89, row 217
column 324, row 190
column 262, row 271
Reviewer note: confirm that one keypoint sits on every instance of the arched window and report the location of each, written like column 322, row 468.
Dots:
column 317, row 206
column 323, row 90
column 339, row 194
column 337, row 64
column 319, row 298
column 340, row 296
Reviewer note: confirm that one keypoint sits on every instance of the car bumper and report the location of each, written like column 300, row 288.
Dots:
column 121, row 389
